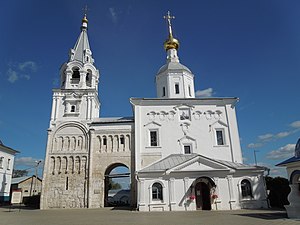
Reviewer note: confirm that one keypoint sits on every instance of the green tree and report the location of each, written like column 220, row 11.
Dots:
column 114, row 185
column 19, row 173
column 279, row 190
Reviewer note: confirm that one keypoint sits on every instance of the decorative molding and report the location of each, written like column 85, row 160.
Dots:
column 153, row 123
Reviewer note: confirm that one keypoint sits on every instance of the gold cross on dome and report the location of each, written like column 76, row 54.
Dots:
column 85, row 10
column 168, row 18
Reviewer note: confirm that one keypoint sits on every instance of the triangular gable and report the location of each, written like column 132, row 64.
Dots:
column 200, row 163
column 168, row 163
column 219, row 122
column 193, row 163
column 186, row 137
column 152, row 123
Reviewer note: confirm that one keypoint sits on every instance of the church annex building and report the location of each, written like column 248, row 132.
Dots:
column 182, row 152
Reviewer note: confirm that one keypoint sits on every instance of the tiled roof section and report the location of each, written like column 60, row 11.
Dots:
column 288, row 161
column 18, row 180
column 169, row 162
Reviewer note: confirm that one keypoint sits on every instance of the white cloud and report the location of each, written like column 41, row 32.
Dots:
column 12, row 76
column 204, row 93
column 295, row 124
column 282, row 153
column 28, row 65
column 274, row 171
column 254, row 145
column 278, row 172
column 26, row 161
column 113, row 14
column 27, row 77
column 283, row 134
column 16, row 71
column 265, row 137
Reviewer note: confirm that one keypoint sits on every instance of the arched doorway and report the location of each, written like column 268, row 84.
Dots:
column 117, row 186
column 203, row 187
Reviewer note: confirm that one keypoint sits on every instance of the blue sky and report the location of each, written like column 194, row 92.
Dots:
column 246, row 49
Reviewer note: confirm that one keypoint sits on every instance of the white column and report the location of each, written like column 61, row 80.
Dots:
column 172, row 193
column 217, row 192
column 141, row 193
column 87, row 107
column 91, row 107
column 186, row 183
column 68, row 79
column 53, row 108
column 56, row 107
column 82, row 82
column 231, row 192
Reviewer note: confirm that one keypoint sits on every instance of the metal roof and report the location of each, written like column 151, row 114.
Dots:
column 18, row 180
column 169, row 162
column 113, row 120
column 295, row 158
column 235, row 165
column 173, row 66
column 288, row 161
column 174, row 160
column 81, row 45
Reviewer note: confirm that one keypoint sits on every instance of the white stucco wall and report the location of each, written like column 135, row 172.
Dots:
column 199, row 131
column 6, row 169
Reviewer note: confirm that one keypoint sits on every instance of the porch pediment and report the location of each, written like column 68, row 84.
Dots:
column 194, row 163
column 184, row 163
column 200, row 163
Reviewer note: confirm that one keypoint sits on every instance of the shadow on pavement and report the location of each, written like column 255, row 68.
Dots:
column 266, row 216
column 126, row 208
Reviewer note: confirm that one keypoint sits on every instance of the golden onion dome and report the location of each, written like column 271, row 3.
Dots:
column 171, row 43
column 85, row 20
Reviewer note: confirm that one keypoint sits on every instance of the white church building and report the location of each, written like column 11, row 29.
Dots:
column 183, row 153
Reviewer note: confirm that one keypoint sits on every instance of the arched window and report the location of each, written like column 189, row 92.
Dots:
column 104, row 141
column 75, row 76
column 246, row 189
column 73, row 108
column 88, row 78
column 157, row 191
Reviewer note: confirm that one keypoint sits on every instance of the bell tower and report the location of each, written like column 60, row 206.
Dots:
column 77, row 97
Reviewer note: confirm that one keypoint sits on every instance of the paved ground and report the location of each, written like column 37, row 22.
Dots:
column 109, row 216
